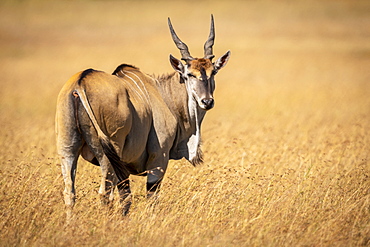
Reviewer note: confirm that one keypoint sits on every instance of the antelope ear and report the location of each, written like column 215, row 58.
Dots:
column 222, row 61
column 177, row 64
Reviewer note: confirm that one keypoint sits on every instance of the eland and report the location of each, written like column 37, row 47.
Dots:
column 131, row 123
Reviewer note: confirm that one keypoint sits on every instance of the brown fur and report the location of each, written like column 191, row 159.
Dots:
column 128, row 123
column 198, row 64
column 119, row 70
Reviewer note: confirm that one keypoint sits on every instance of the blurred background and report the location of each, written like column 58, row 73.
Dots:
column 298, row 69
column 292, row 111
column 278, row 48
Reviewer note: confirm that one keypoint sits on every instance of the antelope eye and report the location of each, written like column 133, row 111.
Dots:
column 191, row 75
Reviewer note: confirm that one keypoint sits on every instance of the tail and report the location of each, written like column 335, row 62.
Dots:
column 119, row 167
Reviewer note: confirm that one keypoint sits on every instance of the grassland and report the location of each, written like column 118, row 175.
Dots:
column 286, row 146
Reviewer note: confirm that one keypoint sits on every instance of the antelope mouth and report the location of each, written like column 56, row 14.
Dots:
column 206, row 104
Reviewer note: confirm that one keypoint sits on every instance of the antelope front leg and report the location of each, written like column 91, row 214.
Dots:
column 154, row 180
column 155, row 173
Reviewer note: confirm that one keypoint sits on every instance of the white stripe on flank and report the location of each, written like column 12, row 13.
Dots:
column 147, row 94
column 133, row 88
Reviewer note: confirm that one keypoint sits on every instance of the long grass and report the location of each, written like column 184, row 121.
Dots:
column 286, row 146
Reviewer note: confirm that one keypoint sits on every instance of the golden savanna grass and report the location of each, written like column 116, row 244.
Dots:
column 286, row 146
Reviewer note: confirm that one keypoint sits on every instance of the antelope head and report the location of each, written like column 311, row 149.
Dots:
column 198, row 73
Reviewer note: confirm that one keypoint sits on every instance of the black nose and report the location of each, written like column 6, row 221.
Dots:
column 208, row 103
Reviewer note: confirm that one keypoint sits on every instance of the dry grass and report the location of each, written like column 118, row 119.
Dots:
column 286, row 147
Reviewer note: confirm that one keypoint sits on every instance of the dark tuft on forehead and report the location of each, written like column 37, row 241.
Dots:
column 201, row 63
